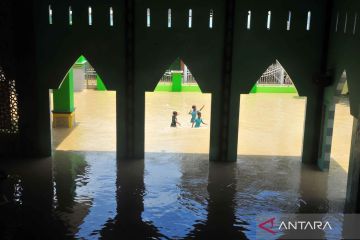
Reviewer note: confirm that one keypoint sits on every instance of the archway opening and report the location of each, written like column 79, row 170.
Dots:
column 183, row 131
column 83, row 111
column 272, row 117
column 172, row 143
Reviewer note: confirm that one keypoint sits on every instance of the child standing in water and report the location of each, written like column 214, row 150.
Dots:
column 174, row 121
column 193, row 113
column 198, row 120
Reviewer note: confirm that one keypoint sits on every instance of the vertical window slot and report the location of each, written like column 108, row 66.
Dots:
column 268, row 23
column 355, row 23
column 345, row 24
column 337, row 22
column 169, row 18
column 211, row 19
column 288, row 23
column 248, row 24
column 70, row 16
column 308, row 23
column 111, row 17
column 190, row 18
column 148, row 17
column 90, row 16
column 50, row 15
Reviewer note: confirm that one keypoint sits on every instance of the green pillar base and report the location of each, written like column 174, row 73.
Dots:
column 63, row 120
column 176, row 78
column 63, row 97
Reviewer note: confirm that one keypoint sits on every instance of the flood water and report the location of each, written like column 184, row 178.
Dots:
column 87, row 194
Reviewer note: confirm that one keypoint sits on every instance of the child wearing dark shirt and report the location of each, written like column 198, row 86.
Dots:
column 174, row 121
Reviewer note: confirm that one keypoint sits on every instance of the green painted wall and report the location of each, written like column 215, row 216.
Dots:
column 273, row 89
column 81, row 60
column 100, row 86
column 163, row 88
column 184, row 88
column 191, row 88
column 63, row 97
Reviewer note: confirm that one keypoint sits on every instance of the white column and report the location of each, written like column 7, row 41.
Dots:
column 79, row 78
column 185, row 74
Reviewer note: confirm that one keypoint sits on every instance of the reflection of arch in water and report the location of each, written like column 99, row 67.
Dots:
column 178, row 78
column 275, row 79
column 9, row 118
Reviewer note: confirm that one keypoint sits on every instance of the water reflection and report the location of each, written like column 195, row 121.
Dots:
column 85, row 192
column 167, row 196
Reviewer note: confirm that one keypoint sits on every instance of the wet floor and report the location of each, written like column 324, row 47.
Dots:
column 87, row 194
column 167, row 196
column 272, row 124
column 95, row 117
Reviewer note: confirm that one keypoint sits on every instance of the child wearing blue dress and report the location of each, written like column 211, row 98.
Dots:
column 193, row 112
column 198, row 120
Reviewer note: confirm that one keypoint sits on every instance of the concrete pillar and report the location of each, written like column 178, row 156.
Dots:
column 312, row 129
column 229, row 138
column 139, row 125
column 185, row 73
column 79, row 77
column 130, row 125
column 225, row 101
column 63, row 99
column 353, row 184
column 327, row 125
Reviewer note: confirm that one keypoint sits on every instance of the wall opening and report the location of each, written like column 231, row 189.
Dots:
column 190, row 19
column 177, row 91
column 90, row 16
column 272, row 117
column 169, row 18
column 211, row 18
column 308, row 22
column 268, row 21
column 50, row 15
column 288, row 22
column 248, row 23
column 111, row 16
column 148, row 16
column 83, row 111
column 345, row 23
column 70, row 16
